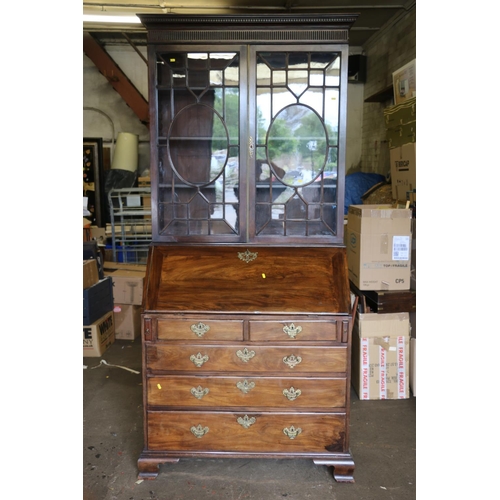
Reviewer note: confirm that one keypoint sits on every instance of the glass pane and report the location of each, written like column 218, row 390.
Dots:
column 232, row 76
column 297, row 145
column 231, row 113
column 314, row 99
column 279, row 78
column 322, row 60
column 298, row 82
column 274, row 59
column 280, row 99
column 297, row 60
column 316, row 78
column 333, row 73
column 216, row 77
column 332, row 101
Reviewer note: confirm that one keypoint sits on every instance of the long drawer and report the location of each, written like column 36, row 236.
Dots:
column 257, row 392
column 246, row 432
column 247, row 358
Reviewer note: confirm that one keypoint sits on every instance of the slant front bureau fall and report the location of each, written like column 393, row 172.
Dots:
column 247, row 354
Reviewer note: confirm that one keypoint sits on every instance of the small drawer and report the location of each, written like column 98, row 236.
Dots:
column 247, row 432
column 199, row 329
column 256, row 392
column 262, row 331
column 246, row 358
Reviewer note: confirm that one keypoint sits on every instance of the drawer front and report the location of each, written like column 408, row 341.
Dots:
column 246, row 432
column 247, row 358
column 263, row 392
column 261, row 331
column 199, row 329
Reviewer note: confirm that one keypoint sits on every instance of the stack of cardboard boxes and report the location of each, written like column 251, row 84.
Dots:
column 128, row 282
column 379, row 258
column 112, row 298
column 98, row 318
column 401, row 127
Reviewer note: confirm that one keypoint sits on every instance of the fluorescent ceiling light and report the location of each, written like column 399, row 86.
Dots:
column 110, row 19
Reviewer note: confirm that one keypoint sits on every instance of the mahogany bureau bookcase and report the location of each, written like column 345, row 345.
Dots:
column 247, row 317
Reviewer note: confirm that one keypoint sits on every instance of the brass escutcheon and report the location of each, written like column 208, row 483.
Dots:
column 247, row 256
column 245, row 355
column 293, row 432
column 291, row 330
column 250, row 146
column 199, row 431
column 246, row 421
column 198, row 360
column 199, row 392
column 292, row 360
column 292, row 394
column 245, row 386
column 200, row 329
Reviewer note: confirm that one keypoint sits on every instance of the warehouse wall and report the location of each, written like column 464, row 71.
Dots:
column 386, row 52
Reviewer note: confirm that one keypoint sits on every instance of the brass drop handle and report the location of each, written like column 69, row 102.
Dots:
column 292, row 432
column 200, row 329
column 291, row 330
column 199, row 392
column 292, row 360
column 199, row 431
column 292, row 394
column 245, row 355
column 245, row 387
column 246, row 421
column 199, row 360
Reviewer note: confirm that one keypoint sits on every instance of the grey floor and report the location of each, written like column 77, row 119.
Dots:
column 382, row 444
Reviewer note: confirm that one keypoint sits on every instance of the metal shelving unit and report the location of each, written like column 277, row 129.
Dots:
column 130, row 227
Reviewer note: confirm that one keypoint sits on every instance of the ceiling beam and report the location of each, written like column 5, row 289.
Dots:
column 115, row 76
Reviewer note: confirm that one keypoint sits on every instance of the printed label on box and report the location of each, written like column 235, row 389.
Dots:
column 401, row 248
column 365, row 367
column 383, row 373
column 401, row 368
column 105, row 330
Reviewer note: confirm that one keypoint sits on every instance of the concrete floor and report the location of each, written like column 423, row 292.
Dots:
column 382, row 443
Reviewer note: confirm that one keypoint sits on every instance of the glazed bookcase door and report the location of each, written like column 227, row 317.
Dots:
column 199, row 94
column 297, row 104
column 250, row 143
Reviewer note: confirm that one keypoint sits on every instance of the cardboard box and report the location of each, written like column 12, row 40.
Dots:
column 379, row 247
column 127, row 321
column 91, row 251
column 127, row 286
column 98, row 336
column 90, row 273
column 401, row 135
column 97, row 300
column 381, row 356
column 401, row 114
column 98, row 234
column 112, row 266
column 404, row 81
column 403, row 170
